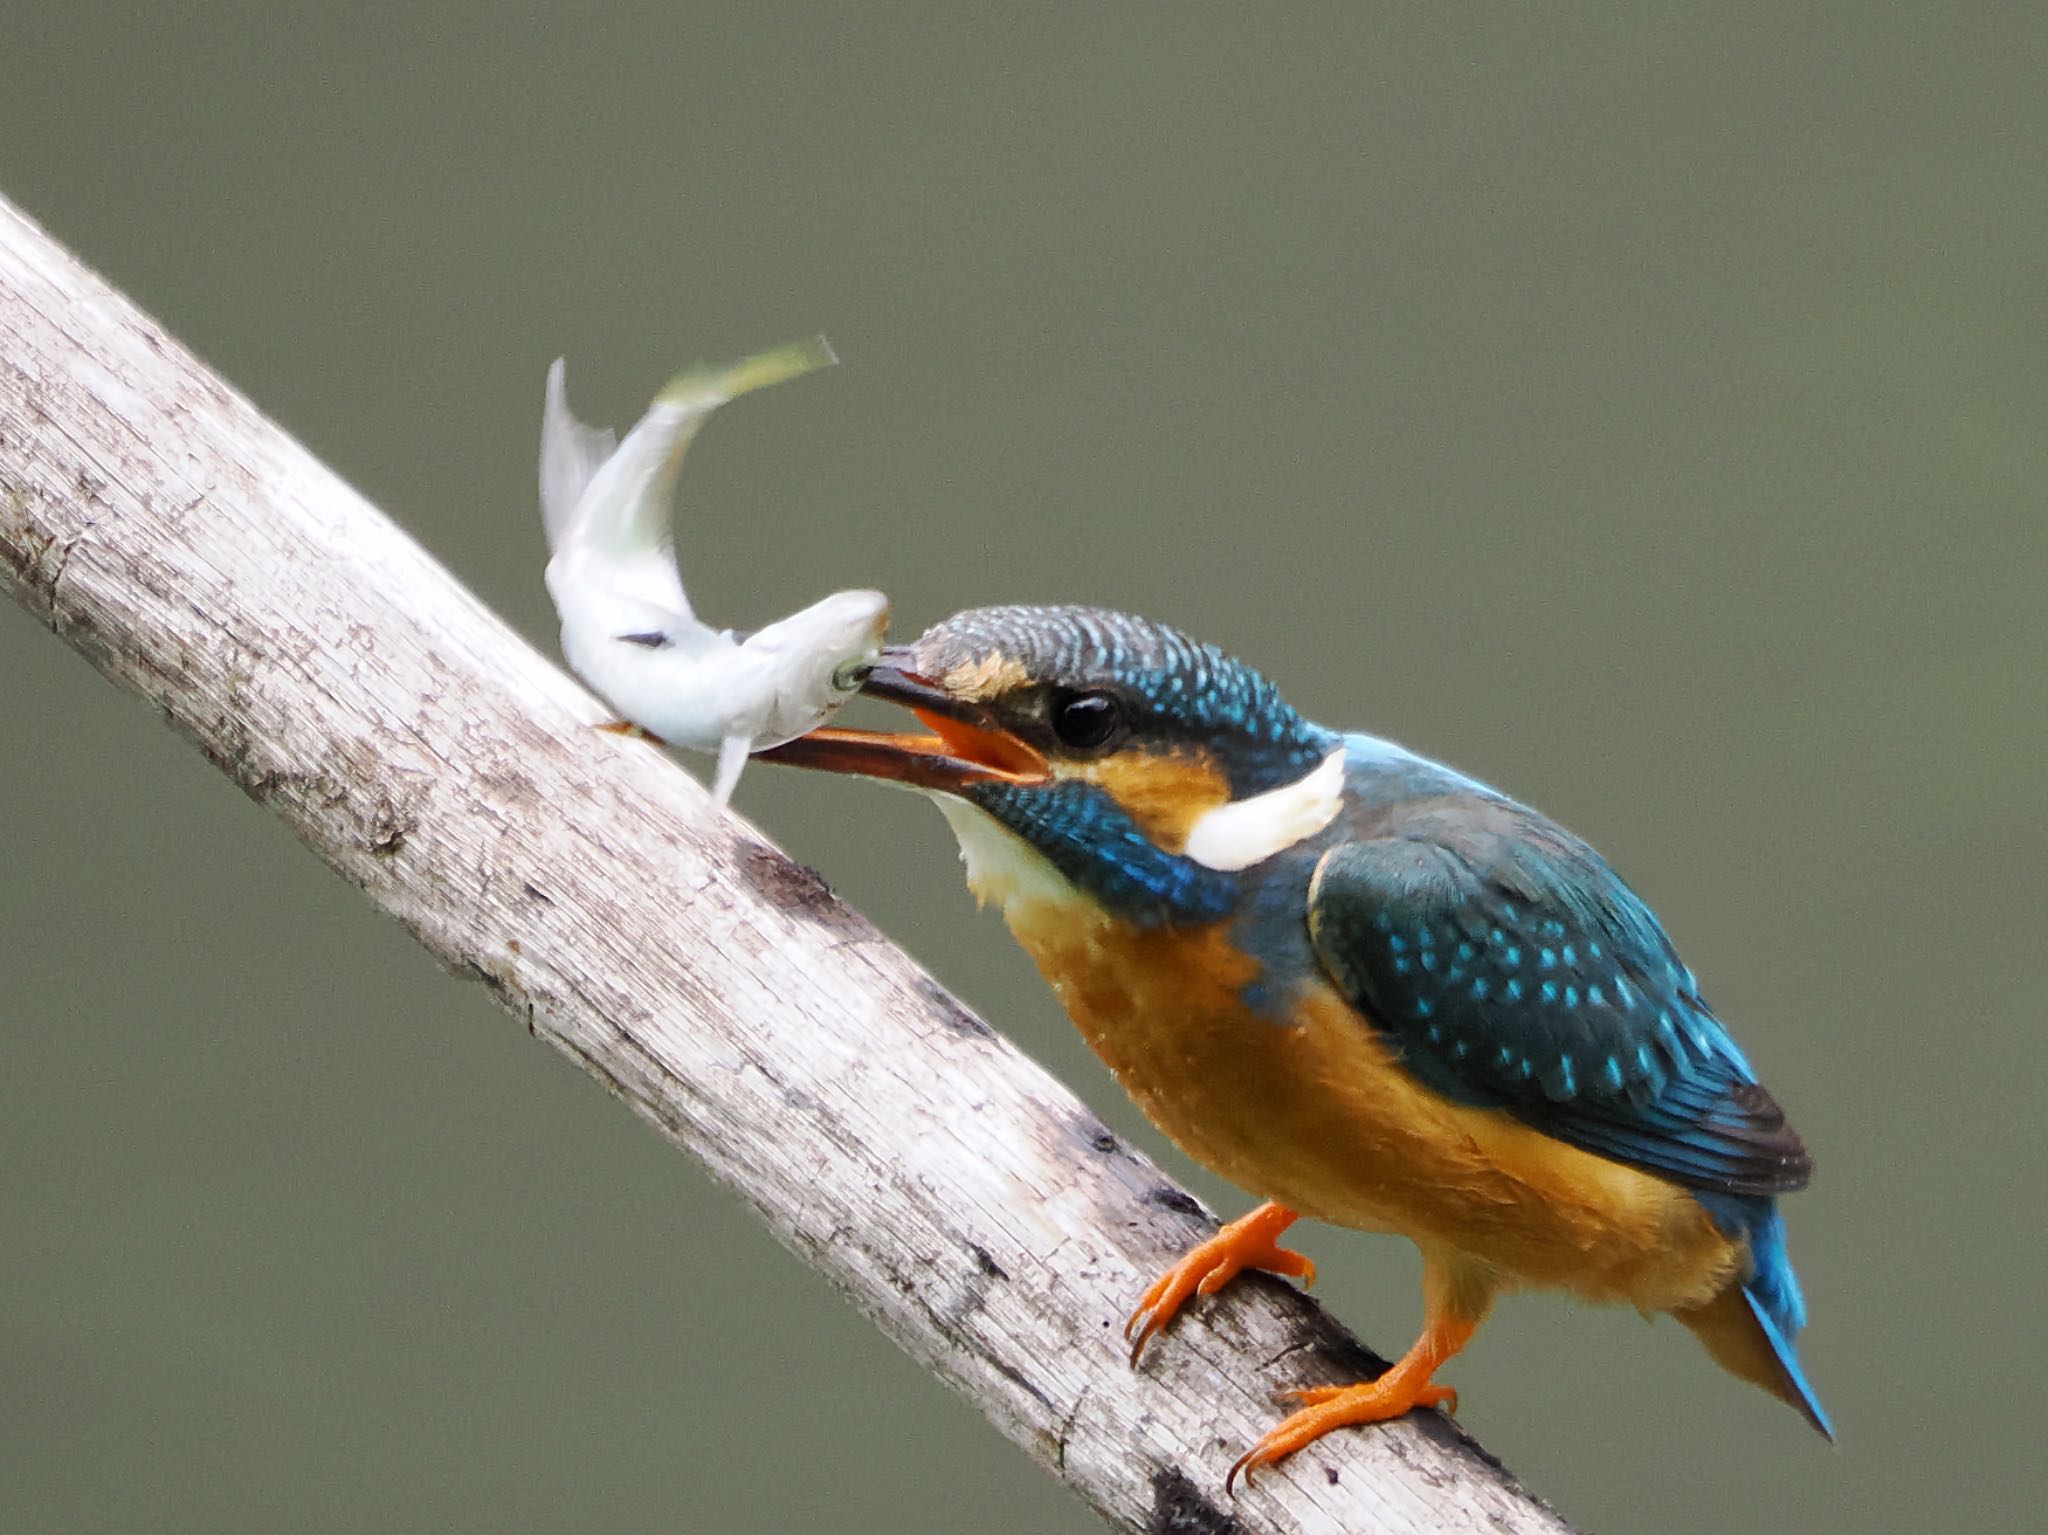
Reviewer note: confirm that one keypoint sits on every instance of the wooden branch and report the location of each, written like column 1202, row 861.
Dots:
column 988, row 1223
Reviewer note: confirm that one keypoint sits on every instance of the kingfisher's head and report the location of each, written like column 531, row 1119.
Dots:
column 1140, row 766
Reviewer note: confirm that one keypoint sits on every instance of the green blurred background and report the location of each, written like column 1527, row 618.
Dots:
column 1641, row 406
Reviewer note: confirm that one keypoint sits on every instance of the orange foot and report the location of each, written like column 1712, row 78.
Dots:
column 1246, row 1243
column 1404, row 1387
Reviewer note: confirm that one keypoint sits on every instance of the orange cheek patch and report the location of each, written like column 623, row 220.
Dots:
column 1165, row 795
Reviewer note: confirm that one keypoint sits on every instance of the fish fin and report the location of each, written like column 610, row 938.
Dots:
column 705, row 389
column 732, row 756
column 571, row 453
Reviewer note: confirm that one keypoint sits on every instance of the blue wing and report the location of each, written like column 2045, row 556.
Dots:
column 1514, row 969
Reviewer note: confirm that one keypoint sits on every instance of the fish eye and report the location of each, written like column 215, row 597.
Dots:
column 1085, row 720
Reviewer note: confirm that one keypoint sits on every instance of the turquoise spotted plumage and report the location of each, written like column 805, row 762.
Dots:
column 1517, row 970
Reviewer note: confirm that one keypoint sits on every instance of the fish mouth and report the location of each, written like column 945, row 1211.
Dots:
column 966, row 744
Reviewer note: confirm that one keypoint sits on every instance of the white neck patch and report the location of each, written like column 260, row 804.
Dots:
column 1246, row 831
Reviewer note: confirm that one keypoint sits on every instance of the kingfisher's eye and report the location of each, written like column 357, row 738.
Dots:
column 1086, row 720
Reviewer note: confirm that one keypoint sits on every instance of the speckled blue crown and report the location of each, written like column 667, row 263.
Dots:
column 1176, row 688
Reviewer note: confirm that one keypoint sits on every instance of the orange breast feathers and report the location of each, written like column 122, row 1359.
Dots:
column 1317, row 1113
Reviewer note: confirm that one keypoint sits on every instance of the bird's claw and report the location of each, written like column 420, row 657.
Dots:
column 1250, row 1242
column 1328, row 1407
column 1428, row 1395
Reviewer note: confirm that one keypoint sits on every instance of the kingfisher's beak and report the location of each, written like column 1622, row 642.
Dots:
column 966, row 746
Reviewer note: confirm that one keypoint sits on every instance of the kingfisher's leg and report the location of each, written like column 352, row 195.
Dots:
column 1456, row 1294
column 1249, row 1242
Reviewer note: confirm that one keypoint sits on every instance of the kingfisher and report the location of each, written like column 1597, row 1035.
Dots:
column 1355, row 982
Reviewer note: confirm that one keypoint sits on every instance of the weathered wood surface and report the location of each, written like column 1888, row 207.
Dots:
column 201, row 558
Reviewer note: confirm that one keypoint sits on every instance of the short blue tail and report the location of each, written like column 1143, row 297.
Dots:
column 1788, row 1361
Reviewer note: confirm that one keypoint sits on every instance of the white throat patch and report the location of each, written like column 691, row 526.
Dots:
column 1001, row 866
column 1246, row 831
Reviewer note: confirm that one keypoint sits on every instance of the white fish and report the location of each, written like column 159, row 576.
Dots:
column 628, row 630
